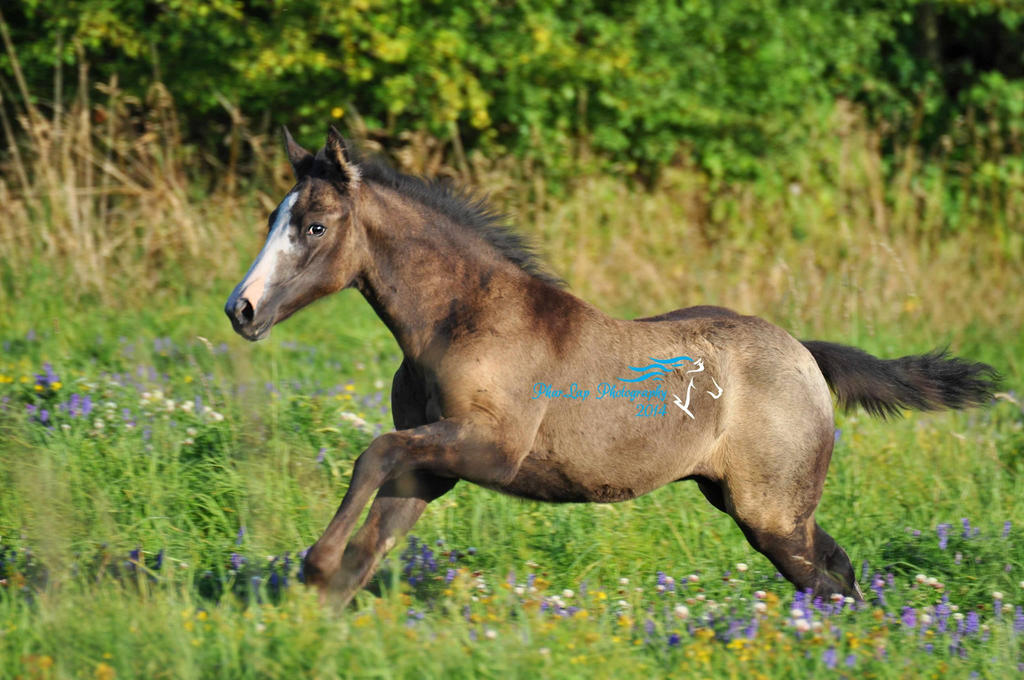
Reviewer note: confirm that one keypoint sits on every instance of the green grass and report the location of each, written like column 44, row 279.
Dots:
column 81, row 498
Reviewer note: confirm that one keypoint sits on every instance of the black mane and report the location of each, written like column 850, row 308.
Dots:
column 465, row 209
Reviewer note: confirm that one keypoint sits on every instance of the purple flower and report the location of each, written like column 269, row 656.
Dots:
column 1007, row 525
column 1018, row 619
column 240, row 536
column 851, row 660
column 967, row 527
column 835, row 440
column 830, row 657
column 909, row 617
column 237, row 561
column 320, row 455
column 673, row 640
column 449, row 576
column 973, row 623
column 943, row 531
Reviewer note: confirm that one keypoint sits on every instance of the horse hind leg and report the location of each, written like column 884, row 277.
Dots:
column 807, row 556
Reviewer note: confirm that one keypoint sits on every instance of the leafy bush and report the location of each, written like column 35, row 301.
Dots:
column 728, row 83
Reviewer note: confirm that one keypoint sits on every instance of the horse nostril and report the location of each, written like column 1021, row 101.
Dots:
column 245, row 310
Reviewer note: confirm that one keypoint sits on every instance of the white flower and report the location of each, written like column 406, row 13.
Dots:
column 625, row 582
column 191, row 431
column 98, row 424
column 958, row 616
column 760, row 594
column 682, row 611
column 760, row 607
column 848, row 600
column 544, row 651
column 925, row 619
column 802, row 625
column 622, row 604
column 567, row 593
column 796, row 613
column 836, row 598
column 693, row 578
column 669, row 581
column 741, row 567
column 996, row 595
column 187, row 406
column 519, row 590
column 491, row 634
column 216, row 417
column 921, row 578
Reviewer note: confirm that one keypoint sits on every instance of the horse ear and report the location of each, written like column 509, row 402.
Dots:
column 338, row 154
column 301, row 160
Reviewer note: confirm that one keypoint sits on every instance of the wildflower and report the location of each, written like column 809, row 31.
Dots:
column 909, row 617
column 1007, row 525
column 760, row 594
column 802, row 625
column 741, row 567
column 625, row 582
column 943, row 531
column 567, row 593
column 491, row 634
column 973, row 623
column 682, row 612
column 760, row 607
column 921, row 578
column 829, row 656
column 673, row 640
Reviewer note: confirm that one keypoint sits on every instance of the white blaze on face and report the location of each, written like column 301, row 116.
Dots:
column 262, row 270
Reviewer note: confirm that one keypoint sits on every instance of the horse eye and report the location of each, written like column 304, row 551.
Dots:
column 316, row 229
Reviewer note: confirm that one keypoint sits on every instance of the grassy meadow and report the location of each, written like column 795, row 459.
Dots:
column 159, row 476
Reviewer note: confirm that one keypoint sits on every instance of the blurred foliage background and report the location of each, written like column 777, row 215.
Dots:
column 732, row 86
column 758, row 124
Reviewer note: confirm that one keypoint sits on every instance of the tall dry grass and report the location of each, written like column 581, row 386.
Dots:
column 101, row 191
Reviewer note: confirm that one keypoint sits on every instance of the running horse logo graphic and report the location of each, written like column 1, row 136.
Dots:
column 659, row 368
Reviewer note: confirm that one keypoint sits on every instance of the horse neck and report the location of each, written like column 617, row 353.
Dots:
column 421, row 267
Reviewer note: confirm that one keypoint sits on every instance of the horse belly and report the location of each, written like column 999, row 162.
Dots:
column 619, row 467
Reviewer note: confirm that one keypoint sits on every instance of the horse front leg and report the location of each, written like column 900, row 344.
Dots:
column 452, row 448
column 394, row 511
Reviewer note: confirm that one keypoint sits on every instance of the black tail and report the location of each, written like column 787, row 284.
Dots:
column 885, row 386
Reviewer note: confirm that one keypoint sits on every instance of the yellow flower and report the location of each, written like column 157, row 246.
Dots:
column 104, row 672
column 337, row 112
column 57, row 385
